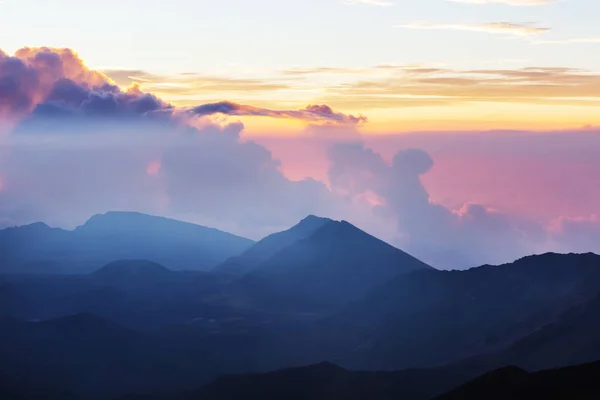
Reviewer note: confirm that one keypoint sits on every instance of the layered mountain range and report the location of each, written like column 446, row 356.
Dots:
column 137, row 306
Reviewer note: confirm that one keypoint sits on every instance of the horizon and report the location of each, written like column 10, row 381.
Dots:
column 258, row 239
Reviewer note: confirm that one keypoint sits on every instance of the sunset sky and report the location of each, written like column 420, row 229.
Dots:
column 442, row 126
column 406, row 64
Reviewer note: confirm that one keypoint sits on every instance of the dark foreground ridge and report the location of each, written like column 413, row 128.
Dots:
column 327, row 381
column 571, row 383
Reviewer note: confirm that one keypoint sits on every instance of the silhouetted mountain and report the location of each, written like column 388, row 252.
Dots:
column 335, row 265
column 92, row 356
column 573, row 338
column 538, row 312
column 271, row 245
column 324, row 381
column 136, row 293
column 114, row 236
column 122, row 271
column 511, row 383
column 432, row 317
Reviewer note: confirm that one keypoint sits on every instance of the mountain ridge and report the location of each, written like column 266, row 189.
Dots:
column 114, row 236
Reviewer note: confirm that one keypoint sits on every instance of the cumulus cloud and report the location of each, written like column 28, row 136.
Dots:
column 446, row 238
column 312, row 113
column 81, row 145
column 58, row 77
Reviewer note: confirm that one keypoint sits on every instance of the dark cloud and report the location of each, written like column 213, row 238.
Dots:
column 37, row 85
column 312, row 113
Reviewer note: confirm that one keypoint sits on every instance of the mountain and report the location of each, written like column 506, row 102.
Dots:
column 324, row 381
column 96, row 358
column 139, row 327
column 271, row 245
column 333, row 266
column 114, row 236
column 432, row 317
column 136, row 293
column 511, row 383
column 572, row 338
column 128, row 271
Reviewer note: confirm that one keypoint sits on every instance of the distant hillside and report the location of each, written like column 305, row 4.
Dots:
column 432, row 317
column 136, row 293
column 114, row 236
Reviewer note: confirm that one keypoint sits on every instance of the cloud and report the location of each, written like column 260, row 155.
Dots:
column 80, row 140
column 446, row 238
column 378, row 3
column 508, row 2
column 385, row 86
column 576, row 234
column 502, row 28
column 312, row 113
column 46, row 82
column 192, row 83
column 431, row 87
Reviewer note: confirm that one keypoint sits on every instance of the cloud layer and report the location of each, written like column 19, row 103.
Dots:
column 80, row 145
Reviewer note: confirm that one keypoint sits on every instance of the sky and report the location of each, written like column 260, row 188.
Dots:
column 465, row 131
column 409, row 65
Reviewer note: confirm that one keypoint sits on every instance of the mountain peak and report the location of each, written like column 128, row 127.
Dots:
column 312, row 217
column 271, row 245
column 335, row 264
column 311, row 222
